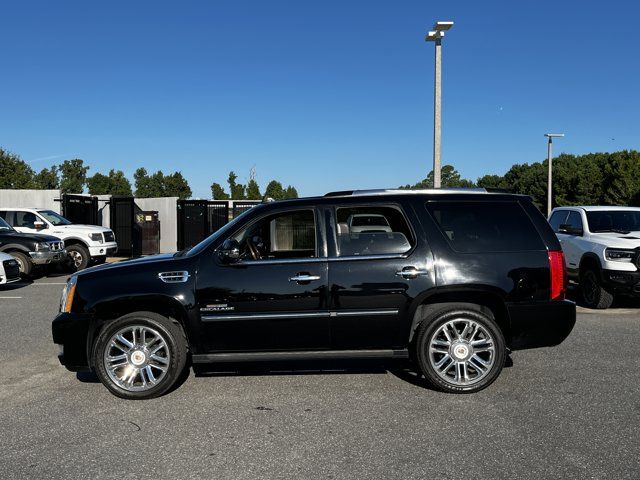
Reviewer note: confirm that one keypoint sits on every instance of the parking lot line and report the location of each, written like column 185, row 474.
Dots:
column 8, row 298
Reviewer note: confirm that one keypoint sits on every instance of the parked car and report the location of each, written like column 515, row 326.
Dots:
column 461, row 278
column 602, row 246
column 9, row 269
column 359, row 223
column 30, row 250
column 85, row 243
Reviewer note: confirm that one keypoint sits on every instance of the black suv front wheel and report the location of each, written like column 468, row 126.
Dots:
column 460, row 350
column 140, row 355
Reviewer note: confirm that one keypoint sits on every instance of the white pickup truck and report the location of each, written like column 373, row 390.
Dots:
column 85, row 244
column 602, row 250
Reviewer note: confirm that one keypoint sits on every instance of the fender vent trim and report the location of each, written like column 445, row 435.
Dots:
column 180, row 276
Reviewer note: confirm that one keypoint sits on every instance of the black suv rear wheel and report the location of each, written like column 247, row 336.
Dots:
column 140, row 355
column 460, row 350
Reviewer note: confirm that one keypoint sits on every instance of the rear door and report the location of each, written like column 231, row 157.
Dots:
column 375, row 274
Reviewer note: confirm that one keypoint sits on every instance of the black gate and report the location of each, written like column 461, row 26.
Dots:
column 148, row 224
column 197, row 219
column 122, row 210
column 239, row 207
column 80, row 209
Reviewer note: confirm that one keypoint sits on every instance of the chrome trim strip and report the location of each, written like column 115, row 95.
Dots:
column 174, row 277
column 277, row 316
column 264, row 316
column 385, row 256
column 297, row 355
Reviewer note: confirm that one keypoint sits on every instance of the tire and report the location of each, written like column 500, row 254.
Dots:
column 141, row 386
column 594, row 294
column 455, row 362
column 25, row 263
column 78, row 257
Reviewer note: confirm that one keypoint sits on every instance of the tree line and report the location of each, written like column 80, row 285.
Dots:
column 71, row 176
column 590, row 179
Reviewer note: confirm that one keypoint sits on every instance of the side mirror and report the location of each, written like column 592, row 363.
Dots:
column 570, row 230
column 229, row 252
column 39, row 225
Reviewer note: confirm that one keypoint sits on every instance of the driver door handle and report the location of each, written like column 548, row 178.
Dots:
column 304, row 277
column 412, row 272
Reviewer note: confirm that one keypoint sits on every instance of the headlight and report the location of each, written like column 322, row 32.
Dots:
column 619, row 254
column 96, row 237
column 42, row 246
column 66, row 301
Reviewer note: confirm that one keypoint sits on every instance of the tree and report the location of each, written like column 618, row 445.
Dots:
column 450, row 178
column 274, row 190
column 47, row 179
column 175, row 185
column 73, row 176
column 237, row 190
column 14, row 172
column 491, row 181
column 113, row 184
column 218, row 193
column 253, row 190
column 290, row 193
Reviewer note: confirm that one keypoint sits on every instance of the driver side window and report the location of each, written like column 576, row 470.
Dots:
column 280, row 236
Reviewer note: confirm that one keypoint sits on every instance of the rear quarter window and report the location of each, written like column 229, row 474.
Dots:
column 482, row 227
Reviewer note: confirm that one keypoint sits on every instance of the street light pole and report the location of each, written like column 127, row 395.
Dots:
column 550, row 136
column 436, row 36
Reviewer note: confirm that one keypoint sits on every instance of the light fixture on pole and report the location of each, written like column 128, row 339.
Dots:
column 550, row 136
column 436, row 36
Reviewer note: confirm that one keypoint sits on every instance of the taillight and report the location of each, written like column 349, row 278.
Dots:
column 558, row 275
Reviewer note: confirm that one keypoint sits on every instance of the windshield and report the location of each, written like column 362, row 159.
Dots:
column 373, row 220
column 53, row 218
column 4, row 226
column 614, row 221
column 222, row 231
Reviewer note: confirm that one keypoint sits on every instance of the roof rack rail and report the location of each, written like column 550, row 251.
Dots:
column 397, row 191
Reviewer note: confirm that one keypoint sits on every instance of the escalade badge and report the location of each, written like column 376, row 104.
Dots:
column 218, row 307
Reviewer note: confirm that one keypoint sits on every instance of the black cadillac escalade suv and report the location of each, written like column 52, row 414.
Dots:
column 450, row 279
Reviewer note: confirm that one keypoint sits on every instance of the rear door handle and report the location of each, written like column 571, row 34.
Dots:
column 304, row 277
column 412, row 272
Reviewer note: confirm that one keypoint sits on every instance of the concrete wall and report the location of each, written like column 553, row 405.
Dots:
column 31, row 198
column 167, row 209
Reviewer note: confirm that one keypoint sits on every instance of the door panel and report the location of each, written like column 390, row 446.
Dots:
column 254, row 306
column 371, row 287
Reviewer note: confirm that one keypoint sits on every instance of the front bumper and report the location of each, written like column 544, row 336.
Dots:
column 46, row 257
column 103, row 250
column 541, row 324
column 621, row 281
column 71, row 332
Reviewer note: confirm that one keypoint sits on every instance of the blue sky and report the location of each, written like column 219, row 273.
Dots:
column 323, row 95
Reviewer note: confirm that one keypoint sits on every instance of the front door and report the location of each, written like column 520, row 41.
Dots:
column 274, row 297
column 378, row 266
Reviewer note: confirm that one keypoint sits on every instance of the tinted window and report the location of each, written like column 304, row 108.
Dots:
column 477, row 227
column 4, row 225
column 380, row 230
column 558, row 218
column 575, row 220
column 284, row 235
column 614, row 220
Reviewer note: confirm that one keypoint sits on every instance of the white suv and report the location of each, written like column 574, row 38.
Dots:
column 602, row 250
column 84, row 243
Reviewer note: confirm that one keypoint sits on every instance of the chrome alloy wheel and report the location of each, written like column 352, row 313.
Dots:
column 462, row 352
column 137, row 358
column 76, row 258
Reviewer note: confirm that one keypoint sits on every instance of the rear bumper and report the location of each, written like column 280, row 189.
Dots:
column 543, row 324
column 71, row 331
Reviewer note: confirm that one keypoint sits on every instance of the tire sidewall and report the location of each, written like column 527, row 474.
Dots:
column 84, row 252
column 24, row 261
column 428, row 327
column 172, row 335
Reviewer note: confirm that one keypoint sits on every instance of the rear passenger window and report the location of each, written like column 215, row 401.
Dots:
column 480, row 227
column 379, row 230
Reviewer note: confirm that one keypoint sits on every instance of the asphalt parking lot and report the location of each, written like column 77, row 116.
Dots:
column 567, row 412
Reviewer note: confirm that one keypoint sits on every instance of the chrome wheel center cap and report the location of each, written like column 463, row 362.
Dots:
column 460, row 351
column 138, row 357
